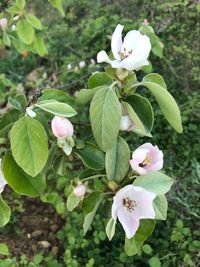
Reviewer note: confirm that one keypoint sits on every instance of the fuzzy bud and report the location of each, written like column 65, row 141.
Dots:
column 79, row 190
column 82, row 64
column 3, row 23
column 62, row 127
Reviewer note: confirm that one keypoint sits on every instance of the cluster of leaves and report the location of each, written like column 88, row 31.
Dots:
column 171, row 28
column 26, row 35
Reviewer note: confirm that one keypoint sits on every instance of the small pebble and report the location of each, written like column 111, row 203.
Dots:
column 44, row 244
column 36, row 233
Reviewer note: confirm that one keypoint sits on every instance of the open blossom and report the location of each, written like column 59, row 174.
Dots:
column 131, row 54
column 62, row 127
column 2, row 180
column 3, row 23
column 79, row 190
column 126, row 124
column 130, row 204
column 147, row 158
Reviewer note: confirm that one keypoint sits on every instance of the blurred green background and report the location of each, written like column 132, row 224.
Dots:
column 86, row 29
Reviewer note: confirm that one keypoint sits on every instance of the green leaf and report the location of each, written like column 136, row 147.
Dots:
column 19, row 181
column 138, row 125
column 58, row 4
column 56, row 108
column 85, row 95
column 99, row 79
column 105, row 115
column 18, row 102
column 154, row 262
column 156, row 182
column 8, row 120
column 72, row 201
column 117, row 160
column 143, row 109
column 5, row 212
column 147, row 249
column 20, row 4
column 165, row 100
column 160, row 206
column 34, row 21
column 91, row 156
column 39, row 46
column 6, row 39
column 29, row 145
column 90, row 206
column 58, row 95
column 110, row 228
column 157, row 45
column 25, row 31
column 133, row 245
column 4, row 249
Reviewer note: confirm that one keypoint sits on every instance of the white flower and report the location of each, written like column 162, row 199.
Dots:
column 131, row 54
column 130, row 204
column 2, row 179
column 82, row 64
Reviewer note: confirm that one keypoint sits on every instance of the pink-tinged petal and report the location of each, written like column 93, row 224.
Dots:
column 156, row 167
column 128, row 223
column 102, row 56
column 62, row 127
column 79, row 190
column 140, row 154
column 3, row 23
column 144, row 204
column 116, row 42
column 135, row 167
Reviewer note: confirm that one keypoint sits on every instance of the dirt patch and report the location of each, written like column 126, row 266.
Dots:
column 34, row 230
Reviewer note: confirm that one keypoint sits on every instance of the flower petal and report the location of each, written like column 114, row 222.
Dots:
column 138, row 43
column 116, row 42
column 135, row 167
column 102, row 56
column 128, row 223
column 144, row 203
column 2, row 179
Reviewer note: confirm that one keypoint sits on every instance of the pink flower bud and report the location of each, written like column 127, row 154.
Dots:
column 82, row 64
column 79, row 190
column 147, row 158
column 3, row 23
column 146, row 23
column 62, row 127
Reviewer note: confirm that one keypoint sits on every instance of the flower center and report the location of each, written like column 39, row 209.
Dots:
column 145, row 162
column 129, row 204
column 125, row 54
